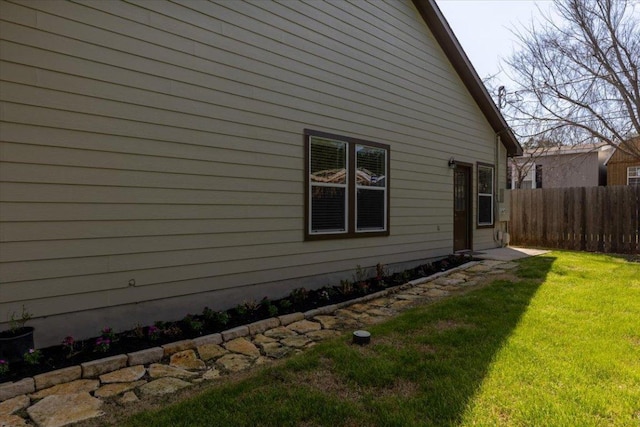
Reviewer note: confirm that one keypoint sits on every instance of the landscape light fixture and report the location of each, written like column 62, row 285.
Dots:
column 361, row 337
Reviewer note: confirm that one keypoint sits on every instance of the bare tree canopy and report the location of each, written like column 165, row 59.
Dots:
column 578, row 74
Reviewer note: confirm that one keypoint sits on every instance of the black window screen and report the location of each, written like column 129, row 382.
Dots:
column 328, row 209
column 371, row 212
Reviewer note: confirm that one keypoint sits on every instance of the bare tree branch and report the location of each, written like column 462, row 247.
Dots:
column 578, row 75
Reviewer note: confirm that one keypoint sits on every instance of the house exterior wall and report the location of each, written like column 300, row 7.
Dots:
column 153, row 152
column 570, row 170
column 618, row 164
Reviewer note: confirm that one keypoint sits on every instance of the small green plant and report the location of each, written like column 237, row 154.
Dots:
column 102, row 345
column 153, row 333
column 363, row 287
column 285, row 304
column 68, row 343
column 138, row 331
column 216, row 317
column 324, row 295
column 299, row 295
column 160, row 324
column 104, row 341
column 168, row 329
column 173, row 331
column 4, row 367
column 346, row 287
column 32, row 357
column 208, row 314
column 192, row 323
column 361, row 274
column 251, row 306
column 241, row 310
column 16, row 323
column 271, row 309
column 381, row 271
column 107, row 332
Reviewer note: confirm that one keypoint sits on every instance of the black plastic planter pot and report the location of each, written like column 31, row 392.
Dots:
column 13, row 344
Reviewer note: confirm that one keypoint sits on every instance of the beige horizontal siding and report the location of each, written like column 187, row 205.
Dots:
column 36, row 211
column 68, row 230
column 146, row 154
column 156, row 274
column 80, row 121
column 52, row 193
column 203, row 116
column 401, row 100
column 127, row 293
column 162, row 142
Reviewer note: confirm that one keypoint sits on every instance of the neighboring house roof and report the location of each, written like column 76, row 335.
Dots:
column 567, row 150
column 443, row 33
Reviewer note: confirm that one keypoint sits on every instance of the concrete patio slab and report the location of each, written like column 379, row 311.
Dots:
column 509, row 253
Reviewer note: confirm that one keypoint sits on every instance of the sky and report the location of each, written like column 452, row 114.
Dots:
column 484, row 29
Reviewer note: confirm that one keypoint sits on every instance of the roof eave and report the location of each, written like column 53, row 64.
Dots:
column 443, row 33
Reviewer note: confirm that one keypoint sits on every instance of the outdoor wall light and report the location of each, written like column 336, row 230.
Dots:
column 452, row 163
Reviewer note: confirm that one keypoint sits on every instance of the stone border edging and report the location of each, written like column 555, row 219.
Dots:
column 95, row 368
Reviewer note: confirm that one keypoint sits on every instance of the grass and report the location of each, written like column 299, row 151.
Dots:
column 557, row 345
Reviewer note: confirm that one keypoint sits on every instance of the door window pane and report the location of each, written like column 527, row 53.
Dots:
column 460, row 196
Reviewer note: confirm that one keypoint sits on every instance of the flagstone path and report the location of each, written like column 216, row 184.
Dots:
column 78, row 393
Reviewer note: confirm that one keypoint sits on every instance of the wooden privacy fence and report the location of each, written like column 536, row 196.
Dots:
column 595, row 219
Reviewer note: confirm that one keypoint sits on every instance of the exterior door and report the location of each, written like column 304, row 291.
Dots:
column 461, row 207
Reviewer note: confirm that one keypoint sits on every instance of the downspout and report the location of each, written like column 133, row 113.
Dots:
column 497, row 234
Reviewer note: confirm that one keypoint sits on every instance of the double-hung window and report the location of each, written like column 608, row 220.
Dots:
column 633, row 175
column 485, row 195
column 347, row 188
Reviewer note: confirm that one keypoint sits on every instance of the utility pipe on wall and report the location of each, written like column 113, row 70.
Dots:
column 496, row 159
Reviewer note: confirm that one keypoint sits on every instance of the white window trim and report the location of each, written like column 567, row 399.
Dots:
column 490, row 195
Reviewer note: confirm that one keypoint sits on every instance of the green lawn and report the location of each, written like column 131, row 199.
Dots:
column 557, row 346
